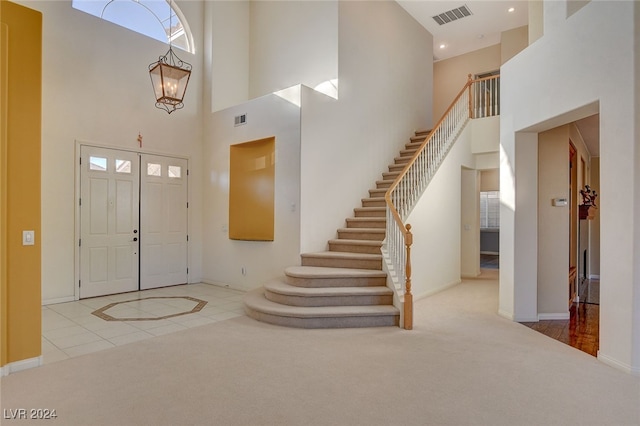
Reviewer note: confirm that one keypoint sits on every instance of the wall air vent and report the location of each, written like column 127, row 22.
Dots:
column 452, row 15
column 239, row 120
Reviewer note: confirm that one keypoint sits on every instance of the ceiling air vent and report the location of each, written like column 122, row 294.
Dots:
column 452, row 15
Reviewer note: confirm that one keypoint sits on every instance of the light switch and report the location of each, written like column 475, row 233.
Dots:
column 28, row 238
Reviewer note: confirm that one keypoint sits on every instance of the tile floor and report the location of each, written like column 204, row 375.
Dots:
column 70, row 329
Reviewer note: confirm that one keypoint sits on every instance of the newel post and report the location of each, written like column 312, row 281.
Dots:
column 470, row 97
column 408, row 297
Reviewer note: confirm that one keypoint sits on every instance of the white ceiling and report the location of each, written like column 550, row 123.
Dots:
column 481, row 29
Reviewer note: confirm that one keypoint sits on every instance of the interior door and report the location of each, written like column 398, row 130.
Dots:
column 109, row 218
column 163, row 229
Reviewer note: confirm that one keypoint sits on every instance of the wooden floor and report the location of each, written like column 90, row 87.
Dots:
column 582, row 330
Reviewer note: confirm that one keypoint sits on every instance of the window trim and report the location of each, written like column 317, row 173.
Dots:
column 175, row 10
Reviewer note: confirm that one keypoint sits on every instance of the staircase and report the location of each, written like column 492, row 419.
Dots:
column 345, row 286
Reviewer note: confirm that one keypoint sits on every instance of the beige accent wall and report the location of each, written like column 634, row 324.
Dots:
column 470, row 216
column 594, row 224
column 553, row 222
column 513, row 42
column 490, row 180
column 450, row 75
column 536, row 20
column 575, row 5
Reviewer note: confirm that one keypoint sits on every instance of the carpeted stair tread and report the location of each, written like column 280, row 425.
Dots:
column 343, row 255
column 371, row 243
column 366, row 222
column 324, row 272
column 396, row 167
column 355, row 245
column 376, row 234
column 373, row 202
column 370, row 211
column 347, row 259
column 256, row 301
column 277, row 286
column 390, row 175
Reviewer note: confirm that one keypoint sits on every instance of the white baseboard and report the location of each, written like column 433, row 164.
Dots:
column 618, row 365
column 505, row 314
column 428, row 293
column 25, row 364
column 58, row 300
column 558, row 316
column 224, row 285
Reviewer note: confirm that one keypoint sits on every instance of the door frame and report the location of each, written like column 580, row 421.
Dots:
column 77, row 228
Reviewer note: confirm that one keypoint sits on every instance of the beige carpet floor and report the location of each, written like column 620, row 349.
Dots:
column 461, row 365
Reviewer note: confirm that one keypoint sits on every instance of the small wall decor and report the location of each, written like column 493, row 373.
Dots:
column 588, row 203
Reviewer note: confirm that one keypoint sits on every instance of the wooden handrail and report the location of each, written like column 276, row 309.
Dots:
column 406, row 230
column 387, row 195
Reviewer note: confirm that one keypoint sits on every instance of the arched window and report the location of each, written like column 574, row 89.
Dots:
column 157, row 19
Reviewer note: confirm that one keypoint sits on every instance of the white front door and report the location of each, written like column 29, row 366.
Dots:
column 109, row 219
column 163, row 228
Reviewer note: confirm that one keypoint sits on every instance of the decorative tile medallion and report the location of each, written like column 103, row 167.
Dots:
column 148, row 309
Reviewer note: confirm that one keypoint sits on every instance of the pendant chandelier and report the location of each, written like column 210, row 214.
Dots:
column 169, row 77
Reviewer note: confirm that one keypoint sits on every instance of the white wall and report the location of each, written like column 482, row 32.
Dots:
column 436, row 223
column 385, row 84
column 385, row 78
column 485, row 138
column 96, row 88
column 292, row 42
column 223, row 259
column 258, row 47
column 226, row 53
column 578, row 51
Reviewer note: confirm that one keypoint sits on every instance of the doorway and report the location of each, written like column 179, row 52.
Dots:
column 132, row 220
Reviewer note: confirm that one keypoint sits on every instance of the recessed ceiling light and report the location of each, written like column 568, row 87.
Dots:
column 442, row 46
column 511, row 9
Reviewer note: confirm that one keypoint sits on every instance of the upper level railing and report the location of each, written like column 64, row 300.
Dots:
column 477, row 99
